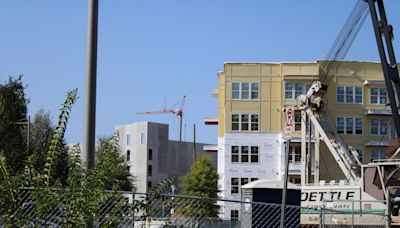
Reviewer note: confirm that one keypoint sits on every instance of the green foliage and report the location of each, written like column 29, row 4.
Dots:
column 13, row 109
column 83, row 195
column 109, row 159
column 202, row 180
column 41, row 134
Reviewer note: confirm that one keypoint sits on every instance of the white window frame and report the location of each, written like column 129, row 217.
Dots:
column 236, row 218
column 354, row 126
column 235, row 186
column 249, row 124
column 249, row 92
column 353, row 95
column 292, row 154
column 249, row 154
column 380, row 125
column 304, row 89
column 378, row 96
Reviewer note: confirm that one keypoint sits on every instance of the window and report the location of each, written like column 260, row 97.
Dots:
column 297, row 120
column 244, row 181
column 349, row 94
column 254, row 91
column 150, row 154
column 253, row 179
column 295, row 89
column 360, row 154
column 149, row 184
column 128, row 155
column 349, row 125
column 142, row 138
column 379, row 96
column 234, row 185
column 295, row 180
column 234, row 154
column 128, row 168
column 254, row 122
column 235, row 90
column 234, row 215
column 149, row 170
column 245, row 122
column 378, row 154
column 379, row 126
column 245, row 91
column 128, row 139
column 244, row 157
column 254, row 154
column 294, row 153
column 244, row 154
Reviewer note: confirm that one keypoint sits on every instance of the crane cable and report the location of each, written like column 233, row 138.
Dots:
column 343, row 41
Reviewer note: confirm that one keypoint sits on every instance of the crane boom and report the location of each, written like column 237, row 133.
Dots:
column 388, row 60
column 177, row 111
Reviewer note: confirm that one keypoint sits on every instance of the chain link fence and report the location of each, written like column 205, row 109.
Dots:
column 129, row 209
column 134, row 210
column 354, row 215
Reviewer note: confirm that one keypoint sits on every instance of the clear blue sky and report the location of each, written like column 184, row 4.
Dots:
column 151, row 51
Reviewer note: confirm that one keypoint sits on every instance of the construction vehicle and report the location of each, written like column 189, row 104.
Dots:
column 364, row 182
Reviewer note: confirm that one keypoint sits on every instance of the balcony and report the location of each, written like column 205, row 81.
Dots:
column 210, row 148
column 381, row 112
column 210, row 121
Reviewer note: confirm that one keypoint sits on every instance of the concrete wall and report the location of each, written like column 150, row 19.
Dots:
column 169, row 158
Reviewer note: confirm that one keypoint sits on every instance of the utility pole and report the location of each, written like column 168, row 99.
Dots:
column 90, row 94
column 194, row 143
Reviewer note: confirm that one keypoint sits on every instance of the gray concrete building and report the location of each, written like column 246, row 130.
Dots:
column 152, row 157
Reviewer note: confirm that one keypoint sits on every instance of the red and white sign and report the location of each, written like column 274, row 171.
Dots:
column 289, row 121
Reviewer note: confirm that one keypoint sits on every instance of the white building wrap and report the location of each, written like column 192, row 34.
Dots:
column 269, row 165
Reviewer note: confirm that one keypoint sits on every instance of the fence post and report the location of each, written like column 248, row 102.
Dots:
column 352, row 214
column 321, row 217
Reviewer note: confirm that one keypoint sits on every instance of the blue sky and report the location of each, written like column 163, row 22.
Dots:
column 152, row 51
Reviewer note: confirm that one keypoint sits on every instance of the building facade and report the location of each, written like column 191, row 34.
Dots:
column 251, row 102
column 152, row 157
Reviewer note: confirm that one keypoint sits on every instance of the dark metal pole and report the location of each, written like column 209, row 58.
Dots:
column 180, row 128
column 90, row 95
column 285, row 183
column 194, row 143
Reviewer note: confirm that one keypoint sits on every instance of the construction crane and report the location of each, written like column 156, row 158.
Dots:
column 177, row 111
column 313, row 105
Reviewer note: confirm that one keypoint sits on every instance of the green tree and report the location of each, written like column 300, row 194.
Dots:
column 13, row 109
column 108, row 155
column 202, row 180
column 41, row 134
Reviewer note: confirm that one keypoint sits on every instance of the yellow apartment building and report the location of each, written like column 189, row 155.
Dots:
column 251, row 101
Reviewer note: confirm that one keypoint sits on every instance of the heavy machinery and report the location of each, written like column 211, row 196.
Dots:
column 372, row 180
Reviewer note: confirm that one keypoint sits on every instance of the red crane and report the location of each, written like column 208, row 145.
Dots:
column 177, row 111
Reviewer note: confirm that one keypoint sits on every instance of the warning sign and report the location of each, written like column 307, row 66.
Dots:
column 289, row 121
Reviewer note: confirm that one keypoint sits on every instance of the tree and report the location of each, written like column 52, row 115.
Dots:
column 81, row 199
column 41, row 133
column 108, row 155
column 202, row 180
column 13, row 109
